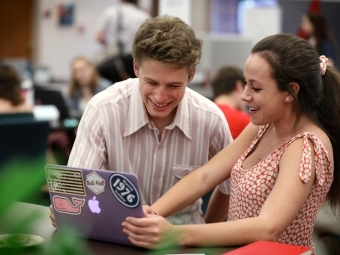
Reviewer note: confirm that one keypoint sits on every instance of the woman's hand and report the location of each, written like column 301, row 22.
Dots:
column 151, row 232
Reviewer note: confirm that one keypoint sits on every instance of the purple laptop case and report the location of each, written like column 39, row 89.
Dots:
column 93, row 202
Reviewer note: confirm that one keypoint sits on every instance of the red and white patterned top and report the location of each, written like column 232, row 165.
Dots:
column 251, row 187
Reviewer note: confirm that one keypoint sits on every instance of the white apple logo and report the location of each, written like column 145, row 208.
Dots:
column 94, row 205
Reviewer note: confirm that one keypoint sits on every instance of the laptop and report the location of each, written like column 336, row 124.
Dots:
column 93, row 202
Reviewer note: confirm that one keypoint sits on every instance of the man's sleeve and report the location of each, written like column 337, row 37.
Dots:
column 89, row 149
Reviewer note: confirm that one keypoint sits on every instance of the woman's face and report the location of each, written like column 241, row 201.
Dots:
column 82, row 72
column 306, row 25
column 265, row 102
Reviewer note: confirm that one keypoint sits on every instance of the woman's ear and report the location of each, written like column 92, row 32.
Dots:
column 295, row 87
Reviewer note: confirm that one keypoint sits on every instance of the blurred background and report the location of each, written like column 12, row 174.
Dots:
column 43, row 36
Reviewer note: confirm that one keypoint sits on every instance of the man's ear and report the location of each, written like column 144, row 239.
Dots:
column 239, row 87
column 192, row 75
column 135, row 68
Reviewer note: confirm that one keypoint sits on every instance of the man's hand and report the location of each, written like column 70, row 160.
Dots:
column 151, row 232
column 147, row 210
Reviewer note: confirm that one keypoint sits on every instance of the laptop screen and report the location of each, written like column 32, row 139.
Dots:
column 51, row 97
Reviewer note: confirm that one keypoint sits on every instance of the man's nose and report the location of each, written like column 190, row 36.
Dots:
column 160, row 94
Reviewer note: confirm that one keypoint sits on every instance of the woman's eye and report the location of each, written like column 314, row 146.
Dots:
column 256, row 89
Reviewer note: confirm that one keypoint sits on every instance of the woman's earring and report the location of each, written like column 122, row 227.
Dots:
column 287, row 98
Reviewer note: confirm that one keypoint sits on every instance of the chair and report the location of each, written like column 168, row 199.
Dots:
column 23, row 146
column 23, row 139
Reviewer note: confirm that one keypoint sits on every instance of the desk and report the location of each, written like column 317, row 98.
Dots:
column 42, row 227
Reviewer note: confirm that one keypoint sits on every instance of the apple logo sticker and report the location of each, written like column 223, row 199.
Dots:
column 94, row 205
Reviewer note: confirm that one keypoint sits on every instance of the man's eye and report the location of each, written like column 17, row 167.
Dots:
column 174, row 87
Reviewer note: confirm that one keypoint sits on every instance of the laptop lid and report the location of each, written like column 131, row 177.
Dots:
column 93, row 202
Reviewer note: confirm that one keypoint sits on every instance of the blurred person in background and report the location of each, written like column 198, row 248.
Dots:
column 117, row 26
column 84, row 84
column 13, row 106
column 228, row 85
column 316, row 28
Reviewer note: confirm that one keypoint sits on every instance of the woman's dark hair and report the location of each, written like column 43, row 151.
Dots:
column 321, row 30
column 10, row 85
column 293, row 59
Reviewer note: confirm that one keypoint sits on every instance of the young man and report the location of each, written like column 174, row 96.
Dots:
column 154, row 126
column 228, row 85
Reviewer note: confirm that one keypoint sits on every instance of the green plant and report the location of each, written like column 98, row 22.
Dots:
column 19, row 179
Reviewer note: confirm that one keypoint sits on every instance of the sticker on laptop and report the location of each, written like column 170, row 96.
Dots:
column 124, row 190
column 64, row 205
column 94, row 205
column 95, row 183
column 65, row 181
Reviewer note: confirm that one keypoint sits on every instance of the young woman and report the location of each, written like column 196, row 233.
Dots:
column 84, row 84
column 282, row 165
column 315, row 26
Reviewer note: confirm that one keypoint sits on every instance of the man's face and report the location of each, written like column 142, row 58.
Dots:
column 162, row 88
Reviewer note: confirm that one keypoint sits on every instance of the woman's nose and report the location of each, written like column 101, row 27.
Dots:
column 245, row 95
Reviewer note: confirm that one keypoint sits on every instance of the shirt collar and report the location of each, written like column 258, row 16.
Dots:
column 183, row 118
column 138, row 117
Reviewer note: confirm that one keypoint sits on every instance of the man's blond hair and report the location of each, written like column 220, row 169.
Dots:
column 168, row 40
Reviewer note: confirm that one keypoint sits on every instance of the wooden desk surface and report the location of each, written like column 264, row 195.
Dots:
column 41, row 226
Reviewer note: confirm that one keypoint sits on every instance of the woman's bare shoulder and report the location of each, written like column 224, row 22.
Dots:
column 319, row 133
